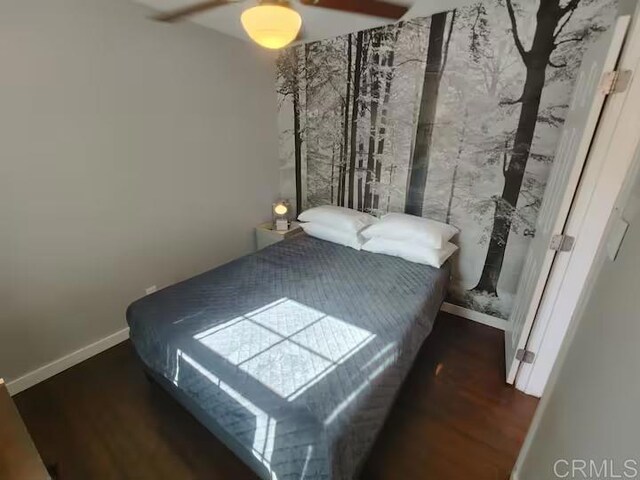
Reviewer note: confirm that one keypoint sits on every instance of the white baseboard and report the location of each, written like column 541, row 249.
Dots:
column 53, row 368
column 479, row 317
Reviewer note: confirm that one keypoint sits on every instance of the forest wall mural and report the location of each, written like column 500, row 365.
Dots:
column 454, row 117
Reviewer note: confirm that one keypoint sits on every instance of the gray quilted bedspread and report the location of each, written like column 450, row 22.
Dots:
column 292, row 355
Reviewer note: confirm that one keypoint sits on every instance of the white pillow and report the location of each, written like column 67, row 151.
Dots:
column 410, row 251
column 348, row 239
column 339, row 218
column 400, row 226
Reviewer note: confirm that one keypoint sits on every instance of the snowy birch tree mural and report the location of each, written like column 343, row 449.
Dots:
column 289, row 86
column 454, row 117
column 419, row 166
column 548, row 36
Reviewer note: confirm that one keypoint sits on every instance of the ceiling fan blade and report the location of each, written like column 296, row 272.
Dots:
column 375, row 8
column 180, row 13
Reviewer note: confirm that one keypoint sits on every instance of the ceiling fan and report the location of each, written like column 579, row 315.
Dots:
column 274, row 23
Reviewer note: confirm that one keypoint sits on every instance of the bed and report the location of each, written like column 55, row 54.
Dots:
column 293, row 355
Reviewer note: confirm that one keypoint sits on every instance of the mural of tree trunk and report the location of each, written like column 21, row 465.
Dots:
column 354, row 117
column 359, row 203
column 333, row 170
column 419, row 166
column 341, row 177
column 373, row 113
column 345, row 120
column 452, row 191
column 297, row 135
column 377, row 175
column 536, row 60
column 392, row 170
column 454, row 176
column 389, row 63
column 364, row 91
column 290, row 73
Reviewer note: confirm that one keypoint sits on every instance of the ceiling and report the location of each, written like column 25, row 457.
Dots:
column 318, row 23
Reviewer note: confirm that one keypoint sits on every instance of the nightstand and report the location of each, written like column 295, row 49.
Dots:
column 266, row 235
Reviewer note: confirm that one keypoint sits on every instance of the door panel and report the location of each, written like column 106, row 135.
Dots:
column 578, row 131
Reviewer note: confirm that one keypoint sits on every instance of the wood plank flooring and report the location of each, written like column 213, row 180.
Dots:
column 454, row 419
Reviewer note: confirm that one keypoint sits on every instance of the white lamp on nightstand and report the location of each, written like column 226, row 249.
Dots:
column 280, row 213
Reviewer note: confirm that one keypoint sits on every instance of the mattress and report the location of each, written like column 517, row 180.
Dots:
column 293, row 355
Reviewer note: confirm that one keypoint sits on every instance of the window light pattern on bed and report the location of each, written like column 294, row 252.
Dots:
column 263, row 441
column 292, row 346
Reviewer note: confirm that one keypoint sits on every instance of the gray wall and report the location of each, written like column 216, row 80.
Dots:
column 132, row 153
column 591, row 412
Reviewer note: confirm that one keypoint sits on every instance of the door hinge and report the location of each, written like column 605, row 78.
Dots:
column 615, row 81
column 562, row 243
column 525, row 356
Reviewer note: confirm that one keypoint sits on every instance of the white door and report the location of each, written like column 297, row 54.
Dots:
column 582, row 119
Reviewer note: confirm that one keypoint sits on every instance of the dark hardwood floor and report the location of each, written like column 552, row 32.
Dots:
column 454, row 419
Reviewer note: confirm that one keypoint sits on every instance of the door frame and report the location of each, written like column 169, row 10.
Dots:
column 586, row 106
column 615, row 142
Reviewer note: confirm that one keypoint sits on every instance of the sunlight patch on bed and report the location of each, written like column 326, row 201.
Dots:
column 239, row 340
column 285, row 345
column 285, row 316
column 354, row 394
column 265, row 429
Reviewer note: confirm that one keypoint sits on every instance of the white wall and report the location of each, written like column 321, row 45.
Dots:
column 590, row 412
column 132, row 153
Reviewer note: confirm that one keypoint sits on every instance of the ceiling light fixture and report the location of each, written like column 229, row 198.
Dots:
column 271, row 25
